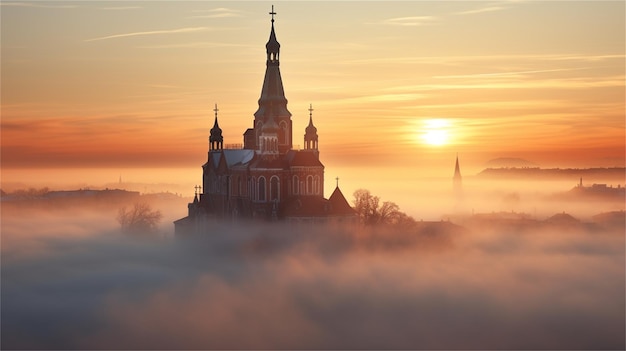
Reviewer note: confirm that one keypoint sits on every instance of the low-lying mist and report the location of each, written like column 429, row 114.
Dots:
column 70, row 280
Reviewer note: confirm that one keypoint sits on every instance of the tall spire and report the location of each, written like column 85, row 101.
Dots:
column 216, row 140
column 272, row 102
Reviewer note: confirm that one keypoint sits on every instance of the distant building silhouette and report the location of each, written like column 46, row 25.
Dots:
column 267, row 178
column 457, row 180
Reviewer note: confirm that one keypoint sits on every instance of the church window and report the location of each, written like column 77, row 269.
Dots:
column 274, row 188
column 262, row 189
column 316, row 185
column 309, row 184
column 282, row 135
column 296, row 184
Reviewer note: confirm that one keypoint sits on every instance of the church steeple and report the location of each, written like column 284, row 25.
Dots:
column 310, row 133
column 457, row 180
column 272, row 102
column 216, row 140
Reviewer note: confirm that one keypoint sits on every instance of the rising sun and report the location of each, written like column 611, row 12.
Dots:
column 435, row 132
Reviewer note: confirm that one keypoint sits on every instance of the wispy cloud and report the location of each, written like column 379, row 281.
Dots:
column 485, row 58
column 220, row 12
column 519, row 83
column 192, row 45
column 412, row 21
column 509, row 74
column 154, row 32
column 38, row 5
column 113, row 8
column 481, row 10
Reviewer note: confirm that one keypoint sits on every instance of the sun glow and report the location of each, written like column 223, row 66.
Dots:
column 435, row 132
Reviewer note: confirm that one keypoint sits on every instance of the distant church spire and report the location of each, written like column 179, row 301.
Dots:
column 310, row 133
column 457, row 180
column 216, row 140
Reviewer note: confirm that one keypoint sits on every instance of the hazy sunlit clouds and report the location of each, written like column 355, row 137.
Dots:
column 76, row 283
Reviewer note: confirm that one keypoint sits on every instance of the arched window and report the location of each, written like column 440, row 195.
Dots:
column 309, row 185
column 262, row 189
column 295, row 185
column 274, row 188
column 282, row 134
column 239, row 187
column 316, row 185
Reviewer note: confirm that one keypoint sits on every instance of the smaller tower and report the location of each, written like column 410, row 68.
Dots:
column 216, row 140
column 457, row 180
column 310, row 133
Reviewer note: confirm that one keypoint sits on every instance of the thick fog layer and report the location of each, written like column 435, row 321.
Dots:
column 70, row 280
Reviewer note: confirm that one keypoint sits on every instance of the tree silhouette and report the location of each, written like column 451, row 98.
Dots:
column 371, row 212
column 139, row 220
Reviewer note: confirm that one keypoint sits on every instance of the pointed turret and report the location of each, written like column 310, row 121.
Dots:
column 310, row 133
column 272, row 101
column 273, row 46
column 216, row 140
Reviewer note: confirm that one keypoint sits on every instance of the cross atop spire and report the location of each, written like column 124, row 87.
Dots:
column 272, row 13
column 310, row 111
column 215, row 109
column 337, row 179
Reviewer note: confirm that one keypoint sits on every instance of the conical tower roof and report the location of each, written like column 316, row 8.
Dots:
column 216, row 131
column 310, row 130
column 272, row 100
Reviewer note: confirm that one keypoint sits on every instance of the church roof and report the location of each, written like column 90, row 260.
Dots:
column 232, row 157
column 310, row 130
column 272, row 44
column 339, row 204
column 305, row 206
column 299, row 158
column 270, row 163
column 216, row 131
column 237, row 156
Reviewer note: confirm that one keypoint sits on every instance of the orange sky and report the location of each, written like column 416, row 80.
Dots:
column 132, row 84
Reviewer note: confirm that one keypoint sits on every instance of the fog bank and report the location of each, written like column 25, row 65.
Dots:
column 71, row 281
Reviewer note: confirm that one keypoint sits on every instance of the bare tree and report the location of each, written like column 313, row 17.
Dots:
column 140, row 219
column 366, row 206
column 372, row 212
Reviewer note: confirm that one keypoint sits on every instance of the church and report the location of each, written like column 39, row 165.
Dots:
column 265, row 178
